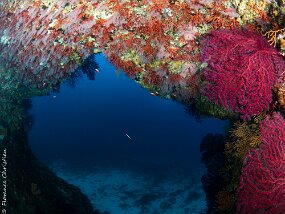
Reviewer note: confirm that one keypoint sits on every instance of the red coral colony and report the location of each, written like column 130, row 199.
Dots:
column 186, row 50
column 262, row 181
column 242, row 70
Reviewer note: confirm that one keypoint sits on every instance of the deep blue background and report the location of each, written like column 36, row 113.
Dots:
column 86, row 127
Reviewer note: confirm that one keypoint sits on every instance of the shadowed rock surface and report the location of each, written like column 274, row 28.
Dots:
column 32, row 188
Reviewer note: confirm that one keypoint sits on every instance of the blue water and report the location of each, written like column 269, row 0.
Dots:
column 86, row 127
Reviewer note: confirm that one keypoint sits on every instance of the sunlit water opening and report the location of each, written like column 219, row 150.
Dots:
column 128, row 151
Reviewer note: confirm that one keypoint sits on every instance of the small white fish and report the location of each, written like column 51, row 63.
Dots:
column 54, row 96
column 97, row 70
column 128, row 136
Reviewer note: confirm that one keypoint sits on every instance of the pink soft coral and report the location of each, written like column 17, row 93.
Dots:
column 242, row 70
column 262, row 182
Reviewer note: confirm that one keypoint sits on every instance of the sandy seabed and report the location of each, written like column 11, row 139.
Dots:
column 122, row 191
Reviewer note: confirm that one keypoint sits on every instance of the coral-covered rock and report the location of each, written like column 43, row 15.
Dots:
column 262, row 181
column 242, row 70
column 43, row 41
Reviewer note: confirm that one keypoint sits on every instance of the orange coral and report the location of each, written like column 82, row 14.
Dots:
column 281, row 94
column 272, row 35
column 244, row 136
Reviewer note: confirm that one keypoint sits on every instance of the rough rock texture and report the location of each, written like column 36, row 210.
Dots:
column 32, row 188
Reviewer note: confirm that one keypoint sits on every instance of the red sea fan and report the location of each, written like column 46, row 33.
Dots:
column 242, row 70
column 262, row 181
